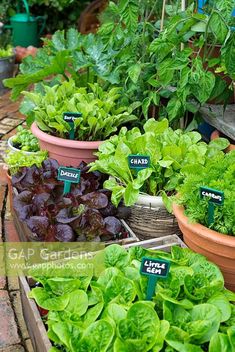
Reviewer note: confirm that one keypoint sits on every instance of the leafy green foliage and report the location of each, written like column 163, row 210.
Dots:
column 170, row 152
column 25, row 140
column 101, row 111
column 8, row 51
column 218, row 173
column 191, row 310
column 16, row 160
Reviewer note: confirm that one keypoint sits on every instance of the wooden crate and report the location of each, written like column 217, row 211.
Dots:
column 25, row 234
column 36, row 328
column 33, row 320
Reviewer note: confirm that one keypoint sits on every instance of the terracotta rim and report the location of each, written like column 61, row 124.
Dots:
column 44, row 137
column 202, row 231
column 216, row 134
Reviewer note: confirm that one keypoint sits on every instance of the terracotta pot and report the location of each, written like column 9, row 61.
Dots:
column 66, row 152
column 216, row 134
column 218, row 248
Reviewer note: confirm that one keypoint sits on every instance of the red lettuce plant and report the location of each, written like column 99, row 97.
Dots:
column 84, row 214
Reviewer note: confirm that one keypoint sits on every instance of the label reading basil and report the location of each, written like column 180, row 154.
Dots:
column 138, row 161
column 69, row 174
column 214, row 195
column 71, row 116
column 156, row 267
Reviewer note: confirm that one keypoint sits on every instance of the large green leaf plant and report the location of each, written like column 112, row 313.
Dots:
column 101, row 111
column 169, row 151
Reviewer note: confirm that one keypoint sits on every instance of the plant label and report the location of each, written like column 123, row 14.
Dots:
column 68, row 175
column 154, row 269
column 214, row 195
column 215, row 198
column 70, row 117
column 138, row 161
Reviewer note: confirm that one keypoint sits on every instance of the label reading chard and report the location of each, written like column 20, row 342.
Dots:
column 136, row 161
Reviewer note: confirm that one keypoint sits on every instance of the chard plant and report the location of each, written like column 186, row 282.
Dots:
column 169, row 151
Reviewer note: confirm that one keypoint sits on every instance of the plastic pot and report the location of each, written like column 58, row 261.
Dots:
column 217, row 247
column 66, row 152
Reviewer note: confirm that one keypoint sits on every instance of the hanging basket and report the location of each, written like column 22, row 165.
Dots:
column 150, row 219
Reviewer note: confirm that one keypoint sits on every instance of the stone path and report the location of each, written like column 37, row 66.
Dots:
column 14, row 336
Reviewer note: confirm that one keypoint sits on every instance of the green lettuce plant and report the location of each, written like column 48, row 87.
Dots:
column 169, row 151
column 102, row 113
column 190, row 310
column 218, row 172
column 17, row 160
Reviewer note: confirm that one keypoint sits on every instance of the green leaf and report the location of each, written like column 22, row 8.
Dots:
column 78, row 303
column 221, row 302
column 97, row 337
column 48, row 301
column 219, row 342
column 218, row 27
column 130, row 195
column 116, row 256
column 134, row 72
column 229, row 53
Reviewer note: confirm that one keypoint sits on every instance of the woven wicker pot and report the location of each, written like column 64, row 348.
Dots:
column 150, row 219
column 217, row 247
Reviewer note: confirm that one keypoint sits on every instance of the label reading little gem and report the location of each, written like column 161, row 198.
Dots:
column 69, row 174
column 154, row 269
column 71, row 116
column 157, row 267
column 214, row 195
column 138, row 161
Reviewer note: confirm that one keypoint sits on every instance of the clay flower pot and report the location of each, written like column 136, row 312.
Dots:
column 217, row 247
column 66, row 152
column 216, row 134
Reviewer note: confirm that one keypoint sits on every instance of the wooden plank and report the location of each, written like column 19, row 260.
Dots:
column 36, row 328
column 222, row 120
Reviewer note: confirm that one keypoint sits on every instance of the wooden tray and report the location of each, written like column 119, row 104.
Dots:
column 25, row 234
column 36, row 328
